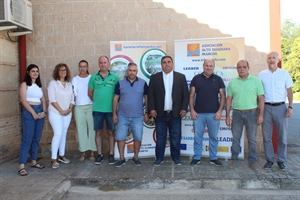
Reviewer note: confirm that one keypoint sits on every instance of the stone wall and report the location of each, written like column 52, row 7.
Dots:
column 10, row 118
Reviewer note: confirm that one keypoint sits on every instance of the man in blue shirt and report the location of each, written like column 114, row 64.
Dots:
column 128, row 110
column 207, row 110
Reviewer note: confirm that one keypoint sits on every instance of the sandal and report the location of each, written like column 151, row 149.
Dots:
column 82, row 158
column 54, row 164
column 92, row 158
column 63, row 159
column 37, row 165
column 23, row 172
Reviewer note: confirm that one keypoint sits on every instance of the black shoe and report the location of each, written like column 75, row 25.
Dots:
column 268, row 165
column 194, row 162
column 216, row 162
column 120, row 163
column 177, row 162
column 111, row 159
column 136, row 161
column 157, row 163
column 281, row 165
column 99, row 159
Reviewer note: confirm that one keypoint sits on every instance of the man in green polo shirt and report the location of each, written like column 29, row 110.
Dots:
column 101, row 92
column 247, row 94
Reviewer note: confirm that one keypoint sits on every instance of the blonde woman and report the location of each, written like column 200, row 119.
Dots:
column 61, row 102
column 84, row 112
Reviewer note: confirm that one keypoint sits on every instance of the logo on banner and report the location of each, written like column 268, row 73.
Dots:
column 118, row 47
column 193, row 50
column 130, row 148
column 119, row 65
column 150, row 123
column 150, row 62
column 129, row 138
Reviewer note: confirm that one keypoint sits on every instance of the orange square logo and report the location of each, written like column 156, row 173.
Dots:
column 130, row 148
column 118, row 47
column 193, row 50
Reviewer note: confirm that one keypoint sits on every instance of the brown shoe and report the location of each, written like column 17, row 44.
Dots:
column 254, row 166
column 233, row 164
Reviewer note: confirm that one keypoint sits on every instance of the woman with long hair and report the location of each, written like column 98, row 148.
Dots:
column 61, row 102
column 84, row 112
column 33, row 117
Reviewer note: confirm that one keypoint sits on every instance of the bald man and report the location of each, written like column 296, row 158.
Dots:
column 206, row 110
column 277, row 85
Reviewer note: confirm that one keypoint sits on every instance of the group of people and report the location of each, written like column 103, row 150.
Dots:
column 127, row 103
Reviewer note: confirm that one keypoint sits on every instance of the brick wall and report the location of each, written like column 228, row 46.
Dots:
column 10, row 118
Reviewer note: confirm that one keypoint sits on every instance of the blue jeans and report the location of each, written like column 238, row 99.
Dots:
column 240, row 119
column 99, row 118
column 162, row 125
column 213, row 129
column 135, row 124
column 31, row 134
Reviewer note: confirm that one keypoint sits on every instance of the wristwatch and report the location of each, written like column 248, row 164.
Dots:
column 290, row 107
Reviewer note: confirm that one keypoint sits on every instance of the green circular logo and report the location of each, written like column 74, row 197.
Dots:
column 150, row 62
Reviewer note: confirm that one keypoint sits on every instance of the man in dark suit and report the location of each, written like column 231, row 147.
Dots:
column 168, row 103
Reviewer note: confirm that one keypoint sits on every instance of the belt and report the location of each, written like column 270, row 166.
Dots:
column 274, row 104
column 244, row 111
column 168, row 111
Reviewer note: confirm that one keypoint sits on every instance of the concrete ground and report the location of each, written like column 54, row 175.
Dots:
column 85, row 180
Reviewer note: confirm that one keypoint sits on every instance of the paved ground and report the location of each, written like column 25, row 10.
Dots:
column 51, row 183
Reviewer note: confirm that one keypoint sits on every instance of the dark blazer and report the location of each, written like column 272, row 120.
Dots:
column 156, row 94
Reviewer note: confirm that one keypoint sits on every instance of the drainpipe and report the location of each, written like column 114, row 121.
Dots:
column 22, row 56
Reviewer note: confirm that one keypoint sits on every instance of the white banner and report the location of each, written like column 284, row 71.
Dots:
column 147, row 55
column 189, row 57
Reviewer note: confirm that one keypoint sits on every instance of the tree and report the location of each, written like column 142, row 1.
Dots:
column 290, row 30
column 290, row 47
column 292, row 64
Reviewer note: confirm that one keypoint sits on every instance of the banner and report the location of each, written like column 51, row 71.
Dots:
column 189, row 58
column 147, row 55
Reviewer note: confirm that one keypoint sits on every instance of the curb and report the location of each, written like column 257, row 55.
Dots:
column 59, row 191
column 127, row 184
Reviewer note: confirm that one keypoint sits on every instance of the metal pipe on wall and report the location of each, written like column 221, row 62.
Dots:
column 22, row 56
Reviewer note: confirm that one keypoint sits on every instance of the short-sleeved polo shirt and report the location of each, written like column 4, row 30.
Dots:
column 245, row 92
column 207, row 92
column 131, row 97
column 103, row 91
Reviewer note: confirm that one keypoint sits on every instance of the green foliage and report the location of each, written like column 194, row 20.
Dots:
column 293, row 64
column 290, row 47
column 296, row 96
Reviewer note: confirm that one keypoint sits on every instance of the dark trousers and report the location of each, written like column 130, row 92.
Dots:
column 162, row 125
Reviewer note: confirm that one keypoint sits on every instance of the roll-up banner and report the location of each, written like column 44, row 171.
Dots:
column 189, row 58
column 147, row 55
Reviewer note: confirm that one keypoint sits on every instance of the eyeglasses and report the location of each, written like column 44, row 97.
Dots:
column 62, row 70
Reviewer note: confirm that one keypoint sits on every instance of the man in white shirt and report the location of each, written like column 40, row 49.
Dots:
column 277, row 85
